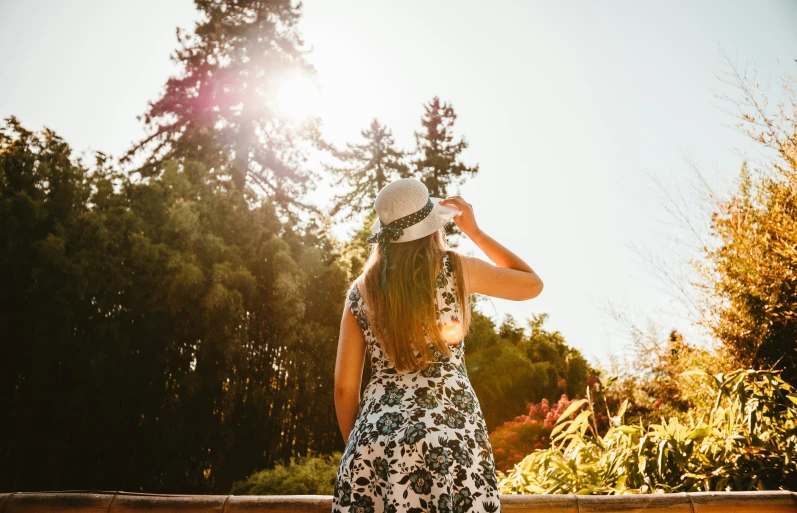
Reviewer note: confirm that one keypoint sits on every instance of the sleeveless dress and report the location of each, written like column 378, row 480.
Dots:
column 419, row 442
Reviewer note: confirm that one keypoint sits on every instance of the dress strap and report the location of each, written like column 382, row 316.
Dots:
column 357, row 304
column 446, row 288
column 444, row 263
column 353, row 296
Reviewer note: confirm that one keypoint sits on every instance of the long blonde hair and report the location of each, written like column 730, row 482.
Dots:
column 405, row 317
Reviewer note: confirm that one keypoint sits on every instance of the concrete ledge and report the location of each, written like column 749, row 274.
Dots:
column 85, row 501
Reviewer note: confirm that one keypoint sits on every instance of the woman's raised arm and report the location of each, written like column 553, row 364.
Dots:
column 510, row 277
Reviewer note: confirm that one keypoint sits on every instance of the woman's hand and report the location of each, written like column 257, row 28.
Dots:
column 465, row 220
column 510, row 277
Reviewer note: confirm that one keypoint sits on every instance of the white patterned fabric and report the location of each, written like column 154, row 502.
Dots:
column 419, row 442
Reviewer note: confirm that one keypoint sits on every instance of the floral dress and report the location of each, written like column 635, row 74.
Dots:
column 419, row 442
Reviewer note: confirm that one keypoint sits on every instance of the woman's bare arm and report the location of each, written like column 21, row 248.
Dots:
column 511, row 277
column 348, row 371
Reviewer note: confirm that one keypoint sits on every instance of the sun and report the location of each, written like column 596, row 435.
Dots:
column 297, row 97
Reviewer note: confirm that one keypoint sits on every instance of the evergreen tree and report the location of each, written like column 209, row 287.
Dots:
column 437, row 164
column 220, row 108
column 367, row 168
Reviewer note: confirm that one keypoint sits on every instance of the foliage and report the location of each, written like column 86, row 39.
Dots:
column 515, row 439
column 357, row 249
column 745, row 441
column 219, row 109
column 175, row 314
column 535, row 365
column 437, row 162
column 648, row 378
column 367, row 167
column 749, row 273
column 301, row 476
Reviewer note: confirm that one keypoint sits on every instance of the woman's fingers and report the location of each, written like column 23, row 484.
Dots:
column 465, row 219
column 457, row 200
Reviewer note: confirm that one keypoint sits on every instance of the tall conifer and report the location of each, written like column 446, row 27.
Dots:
column 220, row 108
column 437, row 164
column 366, row 168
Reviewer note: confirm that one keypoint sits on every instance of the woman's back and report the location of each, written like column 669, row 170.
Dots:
column 448, row 314
column 420, row 438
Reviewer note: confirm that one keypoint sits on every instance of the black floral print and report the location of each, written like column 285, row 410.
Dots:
column 419, row 442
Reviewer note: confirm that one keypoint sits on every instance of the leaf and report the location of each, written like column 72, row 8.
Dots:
column 699, row 433
column 575, row 405
column 696, row 372
column 623, row 408
column 558, row 428
column 578, row 422
column 662, row 456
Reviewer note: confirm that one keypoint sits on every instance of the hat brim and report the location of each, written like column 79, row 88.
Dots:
column 437, row 218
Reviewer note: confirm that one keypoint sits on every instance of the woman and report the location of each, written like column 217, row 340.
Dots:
column 418, row 441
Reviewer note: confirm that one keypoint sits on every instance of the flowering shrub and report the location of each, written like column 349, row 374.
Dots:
column 514, row 440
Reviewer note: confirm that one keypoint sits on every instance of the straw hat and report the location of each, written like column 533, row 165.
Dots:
column 407, row 212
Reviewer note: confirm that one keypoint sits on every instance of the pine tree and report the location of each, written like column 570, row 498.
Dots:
column 219, row 110
column 367, row 168
column 437, row 164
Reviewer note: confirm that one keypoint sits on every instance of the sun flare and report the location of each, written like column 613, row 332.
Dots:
column 452, row 332
column 298, row 97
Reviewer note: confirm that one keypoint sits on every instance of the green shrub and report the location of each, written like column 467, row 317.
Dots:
column 746, row 440
column 302, row 476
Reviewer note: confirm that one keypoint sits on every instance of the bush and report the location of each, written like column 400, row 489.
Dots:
column 302, row 476
column 513, row 440
column 647, row 376
column 745, row 441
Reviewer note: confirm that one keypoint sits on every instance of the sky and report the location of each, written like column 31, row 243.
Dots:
column 586, row 119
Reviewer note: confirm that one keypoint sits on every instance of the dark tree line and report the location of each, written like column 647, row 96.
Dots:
column 161, row 336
